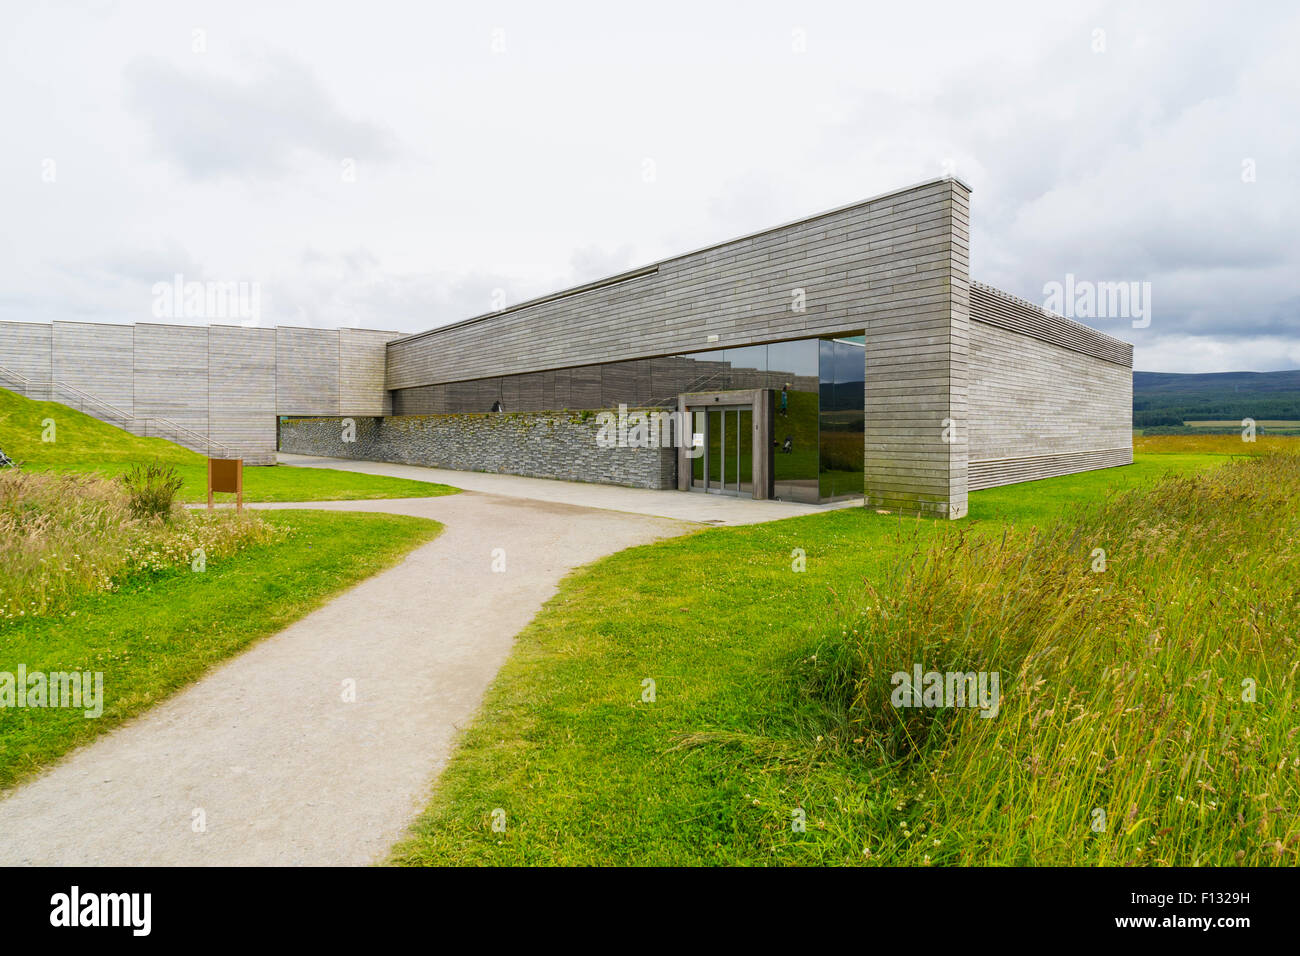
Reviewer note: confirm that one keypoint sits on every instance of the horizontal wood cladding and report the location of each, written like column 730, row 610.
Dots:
column 916, row 369
column 225, row 382
column 362, row 365
column 26, row 349
column 1010, row 471
column 241, row 390
column 171, row 374
column 1030, row 399
column 993, row 307
column 96, row 358
column 307, row 371
column 879, row 261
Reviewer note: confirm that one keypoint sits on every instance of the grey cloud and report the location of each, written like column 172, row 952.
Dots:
column 1116, row 166
column 157, row 263
column 214, row 126
column 1126, row 166
column 597, row 262
column 353, row 289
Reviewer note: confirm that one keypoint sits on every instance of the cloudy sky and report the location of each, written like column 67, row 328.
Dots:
column 394, row 165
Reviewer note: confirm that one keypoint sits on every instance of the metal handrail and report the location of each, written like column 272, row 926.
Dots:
column 125, row 416
column 697, row 385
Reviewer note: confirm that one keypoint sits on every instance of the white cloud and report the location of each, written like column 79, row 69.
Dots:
column 213, row 125
column 523, row 171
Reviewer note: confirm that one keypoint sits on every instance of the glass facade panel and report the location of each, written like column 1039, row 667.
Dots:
column 745, row 437
column 715, row 449
column 841, row 418
column 641, row 383
column 817, row 414
column 697, row 465
column 794, row 420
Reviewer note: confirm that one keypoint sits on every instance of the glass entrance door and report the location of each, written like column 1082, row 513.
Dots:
column 727, row 465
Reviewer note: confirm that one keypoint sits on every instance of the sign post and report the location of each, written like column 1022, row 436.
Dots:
column 226, row 475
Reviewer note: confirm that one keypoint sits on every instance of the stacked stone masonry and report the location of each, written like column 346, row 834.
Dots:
column 561, row 445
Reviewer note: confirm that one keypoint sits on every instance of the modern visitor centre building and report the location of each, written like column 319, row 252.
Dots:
column 847, row 354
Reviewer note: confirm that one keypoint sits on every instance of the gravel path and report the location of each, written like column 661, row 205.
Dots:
column 282, row 770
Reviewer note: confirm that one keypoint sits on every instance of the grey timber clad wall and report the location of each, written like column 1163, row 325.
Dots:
column 307, row 371
column 171, row 374
column 1039, row 409
column 25, row 348
column 965, row 387
column 916, row 357
column 95, row 358
column 994, row 307
column 538, row 444
column 959, row 343
column 221, row 382
column 362, row 367
column 896, row 266
column 1010, row 471
column 241, row 390
column 655, row 382
column 870, row 260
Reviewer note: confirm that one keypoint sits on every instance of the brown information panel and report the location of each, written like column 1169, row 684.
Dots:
column 226, row 475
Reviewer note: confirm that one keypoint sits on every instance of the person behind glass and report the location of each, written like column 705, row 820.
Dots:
column 783, row 406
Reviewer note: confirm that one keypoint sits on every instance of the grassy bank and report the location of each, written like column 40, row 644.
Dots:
column 763, row 708
column 160, row 629
column 81, row 444
column 285, row 483
column 67, row 535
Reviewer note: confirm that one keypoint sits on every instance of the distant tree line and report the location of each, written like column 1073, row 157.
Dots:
column 1156, row 410
column 1146, row 419
column 1218, row 430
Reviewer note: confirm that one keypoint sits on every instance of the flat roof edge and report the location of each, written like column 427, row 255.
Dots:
column 1026, row 303
column 651, row 267
column 202, row 325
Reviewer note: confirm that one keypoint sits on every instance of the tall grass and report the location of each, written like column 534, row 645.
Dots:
column 151, row 490
column 1213, row 444
column 1126, row 732
column 64, row 535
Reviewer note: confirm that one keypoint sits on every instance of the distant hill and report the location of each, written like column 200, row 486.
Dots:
column 1169, row 398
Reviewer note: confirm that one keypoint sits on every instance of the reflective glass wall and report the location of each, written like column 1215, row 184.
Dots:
column 841, row 417
column 817, row 416
column 641, row 383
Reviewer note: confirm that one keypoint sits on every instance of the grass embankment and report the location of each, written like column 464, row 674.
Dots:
column 133, row 607
column 87, row 445
column 1121, row 691
column 90, row 583
column 69, row 535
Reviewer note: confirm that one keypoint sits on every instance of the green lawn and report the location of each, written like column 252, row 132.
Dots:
column 161, row 632
column 85, row 444
column 1038, row 501
column 287, row 483
column 710, row 772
